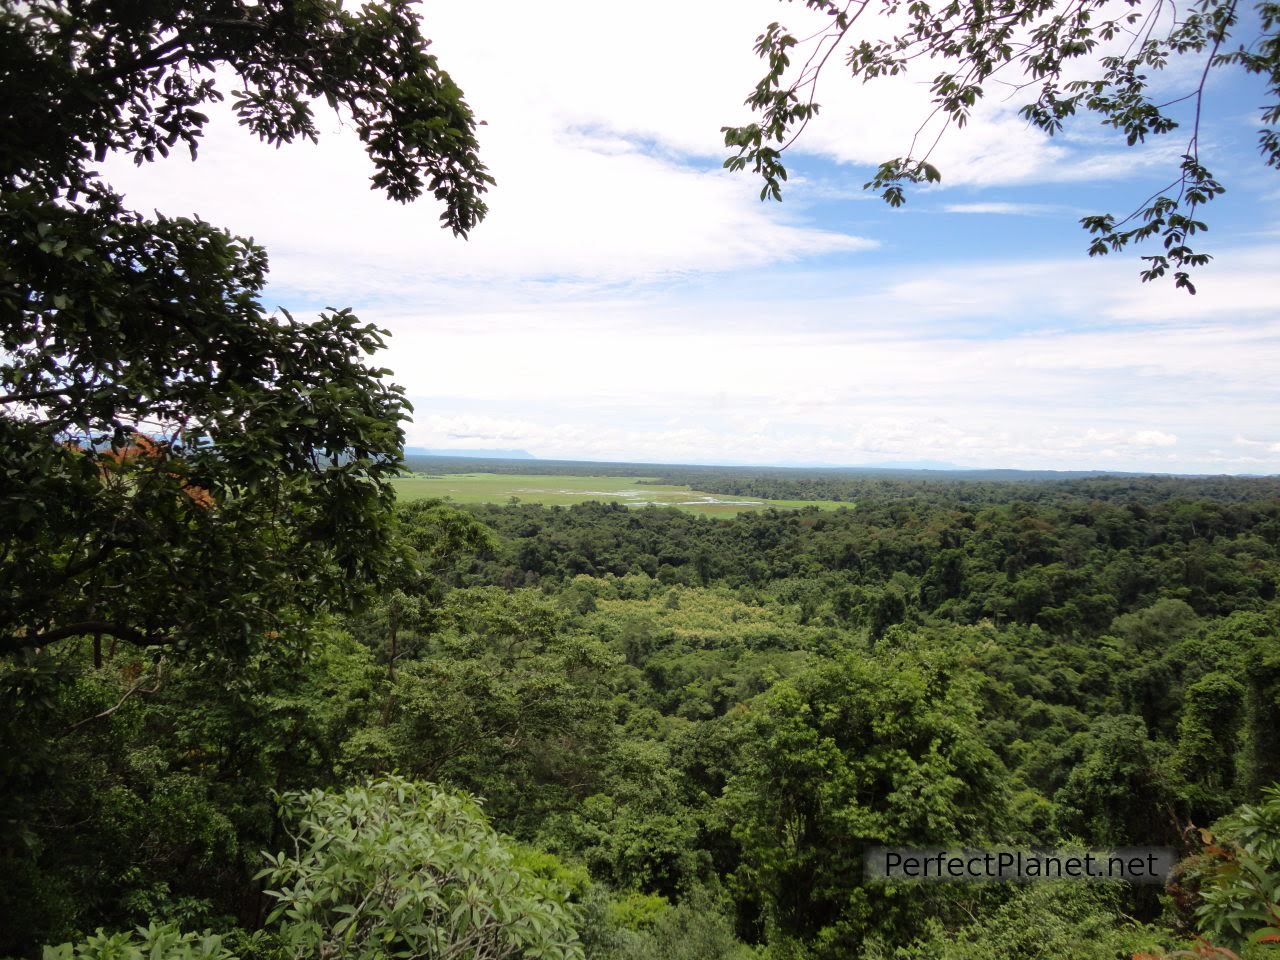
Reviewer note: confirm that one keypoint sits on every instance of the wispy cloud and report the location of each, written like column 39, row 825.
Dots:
column 655, row 379
column 1004, row 208
column 1263, row 445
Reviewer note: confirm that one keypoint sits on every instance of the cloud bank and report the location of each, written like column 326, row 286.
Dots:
column 629, row 299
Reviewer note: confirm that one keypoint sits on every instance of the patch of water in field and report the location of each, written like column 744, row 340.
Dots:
column 640, row 498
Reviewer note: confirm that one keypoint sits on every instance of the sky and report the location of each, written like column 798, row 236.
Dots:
column 628, row 299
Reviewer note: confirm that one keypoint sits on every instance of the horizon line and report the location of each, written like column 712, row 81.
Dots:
column 890, row 467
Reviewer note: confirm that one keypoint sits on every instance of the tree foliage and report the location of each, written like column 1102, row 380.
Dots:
column 152, row 942
column 1241, row 892
column 1061, row 58
column 179, row 466
column 409, row 870
column 853, row 754
column 697, row 758
column 1082, row 921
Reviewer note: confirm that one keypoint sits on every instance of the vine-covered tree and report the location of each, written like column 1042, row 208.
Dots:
column 854, row 754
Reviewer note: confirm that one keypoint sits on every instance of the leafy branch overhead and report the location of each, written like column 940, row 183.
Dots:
column 1029, row 49
column 87, row 79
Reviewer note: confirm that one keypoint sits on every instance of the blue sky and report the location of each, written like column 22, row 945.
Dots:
column 629, row 300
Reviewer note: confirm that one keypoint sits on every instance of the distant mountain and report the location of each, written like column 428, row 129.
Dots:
column 471, row 454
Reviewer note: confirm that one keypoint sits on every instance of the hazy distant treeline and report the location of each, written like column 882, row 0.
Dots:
column 853, row 484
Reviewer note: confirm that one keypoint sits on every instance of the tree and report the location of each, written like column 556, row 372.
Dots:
column 1208, row 731
column 178, row 466
column 499, row 699
column 1235, row 882
column 1114, row 795
column 1031, row 47
column 855, row 753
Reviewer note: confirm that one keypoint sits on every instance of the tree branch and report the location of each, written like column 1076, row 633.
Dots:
column 120, row 703
column 32, row 397
column 15, row 642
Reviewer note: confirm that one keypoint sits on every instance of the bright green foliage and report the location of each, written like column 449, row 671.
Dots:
column 1036, row 45
column 695, row 929
column 700, row 652
column 636, row 911
column 1041, row 920
column 152, row 942
column 1241, row 893
column 402, row 869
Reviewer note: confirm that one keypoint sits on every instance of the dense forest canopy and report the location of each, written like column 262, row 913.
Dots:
column 689, row 730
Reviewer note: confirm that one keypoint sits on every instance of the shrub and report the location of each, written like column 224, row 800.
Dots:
column 402, row 869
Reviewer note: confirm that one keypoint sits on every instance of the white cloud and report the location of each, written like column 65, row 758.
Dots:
column 653, row 379
column 1153, row 438
column 1257, row 444
column 564, row 206
column 1002, row 207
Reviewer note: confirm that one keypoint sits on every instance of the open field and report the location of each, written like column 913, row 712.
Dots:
column 566, row 490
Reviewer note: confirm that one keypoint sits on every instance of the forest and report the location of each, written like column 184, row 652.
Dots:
column 253, row 707
column 851, row 483
column 686, row 732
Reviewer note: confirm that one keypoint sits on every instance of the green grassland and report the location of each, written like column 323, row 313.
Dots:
column 566, row 490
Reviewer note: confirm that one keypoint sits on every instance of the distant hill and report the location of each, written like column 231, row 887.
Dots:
column 883, row 465
column 470, row 454
column 462, row 461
